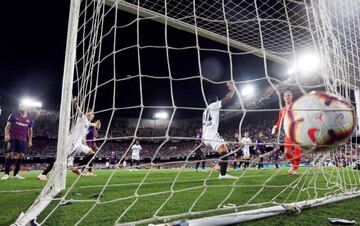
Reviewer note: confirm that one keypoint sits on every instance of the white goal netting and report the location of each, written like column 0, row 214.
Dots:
column 134, row 62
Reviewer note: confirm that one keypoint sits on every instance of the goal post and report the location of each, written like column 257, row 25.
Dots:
column 57, row 180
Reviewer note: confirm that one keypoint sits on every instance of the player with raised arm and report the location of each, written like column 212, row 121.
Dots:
column 135, row 155
column 78, row 137
column 18, row 132
column 288, row 145
column 245, row 143
column 211, row 137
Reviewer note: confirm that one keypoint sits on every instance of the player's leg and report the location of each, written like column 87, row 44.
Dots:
column 297, row 159
column 43, row 175
column 8, row 162
column 288, row 147
column 197, row 158
column 203, row 157
column 89, row 154
column 223, row 152
column 19, row 149
column 89, row 162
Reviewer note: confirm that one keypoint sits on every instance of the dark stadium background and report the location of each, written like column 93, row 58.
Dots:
column 32, row 44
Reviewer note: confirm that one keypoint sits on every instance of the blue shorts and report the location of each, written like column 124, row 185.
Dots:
column 17, row 146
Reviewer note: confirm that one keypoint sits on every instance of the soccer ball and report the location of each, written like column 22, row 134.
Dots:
column 319, row 121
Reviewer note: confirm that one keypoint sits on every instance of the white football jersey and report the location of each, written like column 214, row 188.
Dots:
column 136, row 149
column 246, row 141
column 79, row 131
column 210, row 120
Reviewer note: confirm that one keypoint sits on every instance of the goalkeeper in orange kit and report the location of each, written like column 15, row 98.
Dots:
column 295, row 157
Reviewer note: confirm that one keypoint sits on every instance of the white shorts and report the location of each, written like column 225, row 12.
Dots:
column 214, row 142
column 246, row 154
column 81, row 148
column 135, row 157
column 70, row 162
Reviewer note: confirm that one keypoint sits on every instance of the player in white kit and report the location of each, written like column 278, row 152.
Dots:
column 245, row 144
column 135, row 155
column 210, row 135
column 77, row 137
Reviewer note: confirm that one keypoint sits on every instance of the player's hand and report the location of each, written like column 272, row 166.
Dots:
column 29, row 144
column 274, row 129
column 75, row 99
column 230, row 85
column 7, row 138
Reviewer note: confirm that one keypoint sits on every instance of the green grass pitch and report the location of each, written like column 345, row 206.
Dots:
column 17, row 195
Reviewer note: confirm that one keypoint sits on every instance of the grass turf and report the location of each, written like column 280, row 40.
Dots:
column 156, row 187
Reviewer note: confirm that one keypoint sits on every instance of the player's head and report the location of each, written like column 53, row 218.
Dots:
column 113, row 153
column 137, row 142
column 23, row 108
column 288, row 96
column 246, row 134
column 261, row 134
column 89, row 115
column 236, row 135
column 97, row 124
column 212, row 98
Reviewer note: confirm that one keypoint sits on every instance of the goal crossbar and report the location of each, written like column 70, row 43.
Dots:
column 158, row 17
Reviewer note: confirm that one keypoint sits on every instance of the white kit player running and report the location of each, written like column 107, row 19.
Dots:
column 135, row 155
column 245, row 143
column 210, row 136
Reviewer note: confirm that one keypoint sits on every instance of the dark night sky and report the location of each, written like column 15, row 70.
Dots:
column 32, row 46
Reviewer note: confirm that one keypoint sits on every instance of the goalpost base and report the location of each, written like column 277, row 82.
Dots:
column 249, row 215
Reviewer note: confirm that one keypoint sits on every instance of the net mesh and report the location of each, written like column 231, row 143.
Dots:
column 117, row 50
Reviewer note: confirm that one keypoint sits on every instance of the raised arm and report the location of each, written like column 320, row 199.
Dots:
column 229, row 95
column 75, row 101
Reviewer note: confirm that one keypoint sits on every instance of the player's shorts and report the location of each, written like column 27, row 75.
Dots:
column 70, row 162
column 135, row 157
column 199, row 154
column 82, row 148
column 17, row 146
column 214, row 142
column 246, row 154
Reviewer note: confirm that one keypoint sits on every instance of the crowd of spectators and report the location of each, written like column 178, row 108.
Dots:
column 155, row 144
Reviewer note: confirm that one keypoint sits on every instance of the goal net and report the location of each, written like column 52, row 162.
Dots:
column 146, row 69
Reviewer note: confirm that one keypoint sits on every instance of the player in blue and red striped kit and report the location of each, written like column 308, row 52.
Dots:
column 18, row 134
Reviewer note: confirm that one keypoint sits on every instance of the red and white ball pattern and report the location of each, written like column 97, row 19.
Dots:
column 319, row 121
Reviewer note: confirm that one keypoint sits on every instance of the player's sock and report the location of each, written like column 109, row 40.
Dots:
column 223, row 163
column 8, row 163
column 17, row 166
column 203, row 164
column 90, row 167
column 197, row 165
column 131, row 163
column 48, row 168
column 85, row 161
column 235, row 164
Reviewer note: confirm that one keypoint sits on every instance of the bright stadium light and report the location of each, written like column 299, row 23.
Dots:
column 306, row 63
column 31, row 103
column 161, row 115
column 247, row 90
